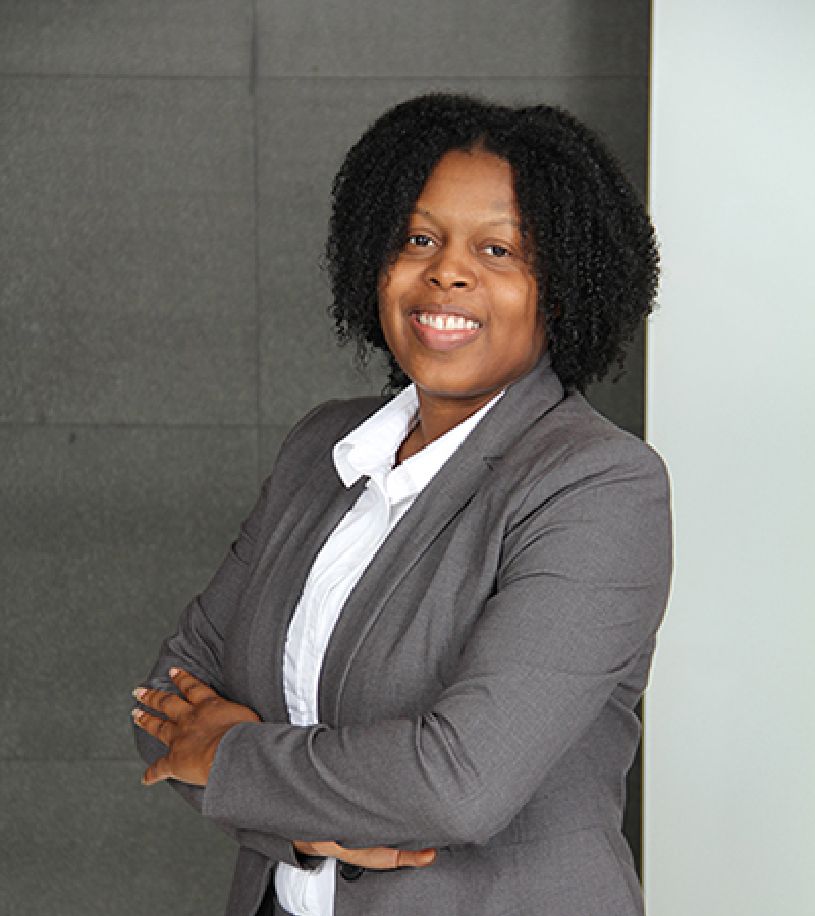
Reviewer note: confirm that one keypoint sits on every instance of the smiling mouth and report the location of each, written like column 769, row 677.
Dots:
column 443, row 321
column 444, row 331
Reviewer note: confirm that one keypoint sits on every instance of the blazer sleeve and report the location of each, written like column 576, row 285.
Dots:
column 581, row 590
column 197, row 646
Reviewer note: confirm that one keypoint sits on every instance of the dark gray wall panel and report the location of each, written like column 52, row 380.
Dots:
column 150, row 365
column 126, row 38
column 85, row 838
column 476, row 39
column 304, row 129
column 126, row 261
column 107, row 533
column 623, row 400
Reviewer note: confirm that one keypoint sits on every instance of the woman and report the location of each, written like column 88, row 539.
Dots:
column 426, row 646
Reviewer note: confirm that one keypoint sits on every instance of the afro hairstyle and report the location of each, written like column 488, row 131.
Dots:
column 590, row 240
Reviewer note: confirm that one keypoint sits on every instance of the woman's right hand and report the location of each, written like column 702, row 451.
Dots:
column 376, row 857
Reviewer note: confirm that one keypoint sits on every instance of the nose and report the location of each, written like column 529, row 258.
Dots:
column 449, row 270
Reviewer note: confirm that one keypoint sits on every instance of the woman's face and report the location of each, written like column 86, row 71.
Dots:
column 458, row 307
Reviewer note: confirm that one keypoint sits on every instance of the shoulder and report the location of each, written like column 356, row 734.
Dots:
column 576, row 438
column 574, row 453
column 313, row 437
column 334, row 418
column 585, row 491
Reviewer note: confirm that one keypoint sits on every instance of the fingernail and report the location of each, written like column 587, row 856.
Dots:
column 174, row 671
column 136, row 714
column 138, row 692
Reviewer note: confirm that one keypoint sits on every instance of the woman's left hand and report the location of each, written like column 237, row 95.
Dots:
column 192, row 730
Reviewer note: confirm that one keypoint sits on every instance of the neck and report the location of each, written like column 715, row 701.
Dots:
column 438, row 416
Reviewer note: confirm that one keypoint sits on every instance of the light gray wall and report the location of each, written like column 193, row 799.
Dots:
column 165, row 168
column 731, row 749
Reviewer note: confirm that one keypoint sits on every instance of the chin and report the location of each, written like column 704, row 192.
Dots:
column 458, row 389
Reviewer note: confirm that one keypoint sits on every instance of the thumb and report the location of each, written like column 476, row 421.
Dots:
column 157, row 772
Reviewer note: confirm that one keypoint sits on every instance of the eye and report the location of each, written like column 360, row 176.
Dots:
column 498, row 251
column 419, row 240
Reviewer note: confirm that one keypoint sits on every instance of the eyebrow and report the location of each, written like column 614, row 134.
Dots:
column 497, row 222
column 492, row 222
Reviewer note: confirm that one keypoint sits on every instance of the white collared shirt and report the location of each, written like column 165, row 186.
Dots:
column 369, row 450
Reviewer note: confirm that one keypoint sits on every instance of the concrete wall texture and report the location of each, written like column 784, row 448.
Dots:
column 165, row 168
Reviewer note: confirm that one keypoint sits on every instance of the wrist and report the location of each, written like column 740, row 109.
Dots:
column 211, row 752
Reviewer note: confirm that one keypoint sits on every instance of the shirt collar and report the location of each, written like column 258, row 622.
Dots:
column 370, row 449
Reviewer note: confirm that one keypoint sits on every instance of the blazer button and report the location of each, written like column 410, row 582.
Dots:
column 351, row 872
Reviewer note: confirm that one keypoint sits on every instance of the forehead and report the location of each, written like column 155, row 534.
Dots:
column 475, row 180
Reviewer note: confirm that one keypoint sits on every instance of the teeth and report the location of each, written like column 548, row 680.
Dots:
column 447, row 322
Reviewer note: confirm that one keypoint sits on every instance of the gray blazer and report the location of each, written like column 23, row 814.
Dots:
column 478, row 691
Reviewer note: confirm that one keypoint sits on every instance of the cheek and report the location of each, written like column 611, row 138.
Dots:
column 522, row 307
column 387, row 288
column 391, row 290
column 385, row 304
column 388, row 315
column 527, row 328
column 384, row 295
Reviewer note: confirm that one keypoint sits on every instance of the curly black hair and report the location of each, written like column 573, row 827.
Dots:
column 592, row 243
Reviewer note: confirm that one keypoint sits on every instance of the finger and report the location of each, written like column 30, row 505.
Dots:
column 376, row 857
column 157, row 771
column 168, row 703
column 159, row 728
column 327, row 848
column 385, row 857
column 415, row 858
column 191, row 688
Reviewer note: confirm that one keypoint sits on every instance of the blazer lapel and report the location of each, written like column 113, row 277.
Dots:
column 436, row 506
column 281, row 574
